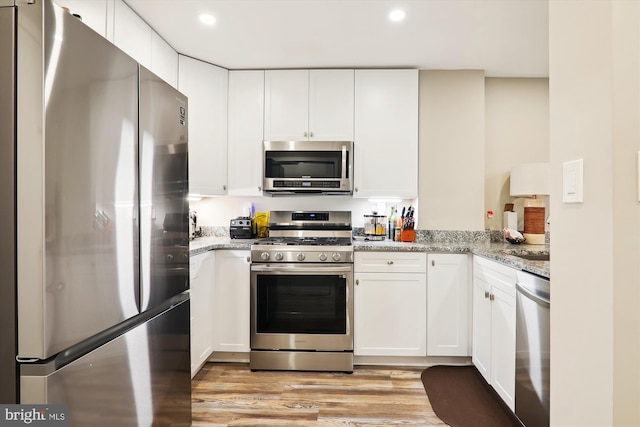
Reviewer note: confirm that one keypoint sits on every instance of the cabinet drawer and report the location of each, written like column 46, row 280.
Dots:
column 496, row 274
column 390, row 262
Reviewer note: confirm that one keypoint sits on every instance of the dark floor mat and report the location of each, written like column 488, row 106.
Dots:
column 461, row 397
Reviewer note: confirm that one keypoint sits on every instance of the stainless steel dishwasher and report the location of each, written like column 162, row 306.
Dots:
column 533, row 301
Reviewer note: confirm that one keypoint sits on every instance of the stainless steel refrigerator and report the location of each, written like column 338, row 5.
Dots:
column 94, row 262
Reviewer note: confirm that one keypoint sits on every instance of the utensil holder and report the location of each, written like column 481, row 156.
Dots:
column 407, row 235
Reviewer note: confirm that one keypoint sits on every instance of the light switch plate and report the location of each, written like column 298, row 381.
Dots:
column 572, row 181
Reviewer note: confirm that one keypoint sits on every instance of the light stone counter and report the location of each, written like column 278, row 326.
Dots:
column 200, row 245
column 504, row 253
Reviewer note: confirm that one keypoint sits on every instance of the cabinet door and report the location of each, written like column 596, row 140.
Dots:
column 202, row 277
column 286, row 105
column 132, row 34
column 503, row 350
column 246, row 119
column 481, row 343
column 164, row 60
column 93, row 13
column 386, row 133
column 448, row 306
column 390, row 314
column 331, row 99
column 206, row 87
column 231, row 301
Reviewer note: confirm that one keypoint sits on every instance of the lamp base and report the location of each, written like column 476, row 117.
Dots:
column 534, row 239
column 534, row 225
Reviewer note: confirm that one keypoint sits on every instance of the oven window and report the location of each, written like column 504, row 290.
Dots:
column 303, row 164
column 301, row 304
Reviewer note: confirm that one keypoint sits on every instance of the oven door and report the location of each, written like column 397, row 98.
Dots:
column 302, row 307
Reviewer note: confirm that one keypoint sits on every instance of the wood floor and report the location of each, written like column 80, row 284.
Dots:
column 232, row 395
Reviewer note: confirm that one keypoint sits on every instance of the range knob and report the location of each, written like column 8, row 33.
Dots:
column 322, row 256
column 336, row 256
column 168, row 257
column 300, row 257
column 264, row 256
column 279, row 256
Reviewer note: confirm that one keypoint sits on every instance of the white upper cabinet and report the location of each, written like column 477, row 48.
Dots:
column 164, row 60
column 206, row 86
column 119, row 24
column 386, row 133
column 132, row 34
column 331, row 98
column 93, row 13
column 286, row 105
column 308, row 105
column 246, row 119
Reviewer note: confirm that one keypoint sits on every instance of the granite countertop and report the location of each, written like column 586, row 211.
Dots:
column 502, row 252
column 204, row 244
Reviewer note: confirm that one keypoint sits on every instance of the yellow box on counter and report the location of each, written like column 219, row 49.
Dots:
column 261, row 224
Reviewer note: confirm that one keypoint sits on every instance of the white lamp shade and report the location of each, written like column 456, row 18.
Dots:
column 530, row 179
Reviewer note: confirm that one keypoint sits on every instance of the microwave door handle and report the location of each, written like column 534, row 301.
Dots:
column 344, row 162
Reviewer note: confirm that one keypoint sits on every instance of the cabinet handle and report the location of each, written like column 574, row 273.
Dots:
column 224, row 187
column 305, row 134
column 492, row 297
column 357, row 281
column 355, row 189
column 259, row 188
column 486, row 294
column 310, row 134
column 433, row 262
column 389, row 262
column 248, row 259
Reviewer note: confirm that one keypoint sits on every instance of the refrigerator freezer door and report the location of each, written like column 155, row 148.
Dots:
column 141, row 378
column 164, row 209
column 77, row 182
column 8, row 386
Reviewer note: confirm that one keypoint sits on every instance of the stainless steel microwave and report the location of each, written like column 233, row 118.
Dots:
column 324, row 167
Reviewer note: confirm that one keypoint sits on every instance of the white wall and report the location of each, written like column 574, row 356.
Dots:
column 626, row 215
column 595, row 313
column 451, row 152
column 516, row 131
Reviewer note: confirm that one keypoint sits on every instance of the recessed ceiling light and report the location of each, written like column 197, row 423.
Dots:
column 207, row 19
column 397, row 15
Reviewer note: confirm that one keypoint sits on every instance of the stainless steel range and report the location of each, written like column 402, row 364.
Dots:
column 302, row 293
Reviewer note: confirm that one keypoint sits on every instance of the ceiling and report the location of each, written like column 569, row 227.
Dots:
column 506, row 38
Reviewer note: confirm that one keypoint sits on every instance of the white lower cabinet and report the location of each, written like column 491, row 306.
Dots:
column 390, row 304
column 448, row 305
column 202, row 276
column 494, row 325
column 231, row 309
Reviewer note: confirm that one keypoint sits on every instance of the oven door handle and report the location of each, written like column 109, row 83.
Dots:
column 302, row 268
